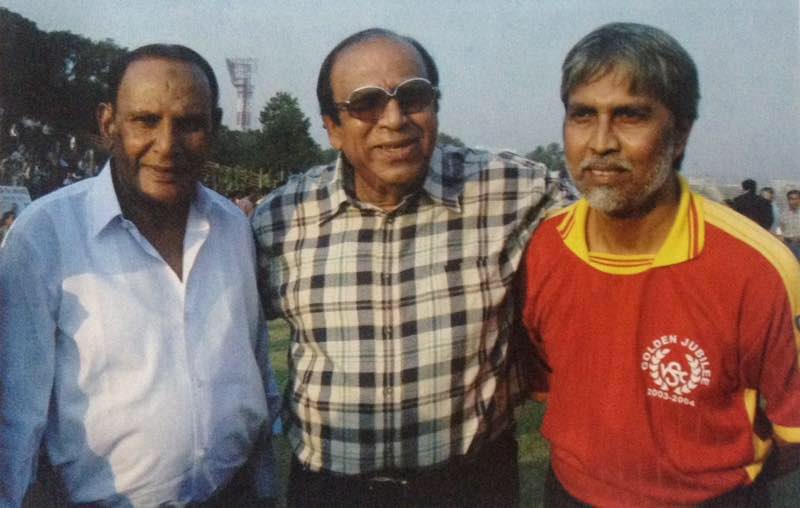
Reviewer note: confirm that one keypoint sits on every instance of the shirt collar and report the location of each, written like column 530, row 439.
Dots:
column 444, row 182
column 102, row 202
column 684, row 241
column 104, row 208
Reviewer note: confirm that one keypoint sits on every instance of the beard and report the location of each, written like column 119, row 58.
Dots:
column 627, row 200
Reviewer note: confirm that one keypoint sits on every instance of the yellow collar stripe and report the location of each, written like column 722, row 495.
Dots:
column 684, row 241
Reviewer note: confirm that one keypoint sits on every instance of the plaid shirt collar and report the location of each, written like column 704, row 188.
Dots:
column 444, row 184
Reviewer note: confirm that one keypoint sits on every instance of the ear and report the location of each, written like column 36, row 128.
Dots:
column 681, row 139
column 105, row 120
column 335, row 135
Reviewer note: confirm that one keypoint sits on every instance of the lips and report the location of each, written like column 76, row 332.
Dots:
column 604, row 171
column 164, row 174
column 398, row 149
column 396, row 144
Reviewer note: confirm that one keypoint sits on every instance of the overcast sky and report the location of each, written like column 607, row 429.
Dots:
column 499, row 61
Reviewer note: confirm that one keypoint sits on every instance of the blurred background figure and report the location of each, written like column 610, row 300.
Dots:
column 790, row 222
column 768, row 193
column 753, row 206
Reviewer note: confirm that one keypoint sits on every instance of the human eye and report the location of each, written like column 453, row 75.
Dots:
column 146, row 120
column 580, row 113
column 632, row 114
column 367, row 99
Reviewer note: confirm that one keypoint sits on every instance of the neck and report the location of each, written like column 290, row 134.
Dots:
column 163, row 225
column 387, row 199
column 635, row 233
column 377, row 193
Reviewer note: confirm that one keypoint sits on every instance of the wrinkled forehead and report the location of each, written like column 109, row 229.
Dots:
column 164, row 76
column 626, row 76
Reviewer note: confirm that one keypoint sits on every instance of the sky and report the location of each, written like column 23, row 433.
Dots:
column 499, row 62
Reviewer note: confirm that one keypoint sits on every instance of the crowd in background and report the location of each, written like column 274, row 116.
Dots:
column 40, row 160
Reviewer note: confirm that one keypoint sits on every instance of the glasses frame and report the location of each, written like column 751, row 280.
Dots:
column 390, row 94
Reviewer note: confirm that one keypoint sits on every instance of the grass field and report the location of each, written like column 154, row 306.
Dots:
column 533, row 451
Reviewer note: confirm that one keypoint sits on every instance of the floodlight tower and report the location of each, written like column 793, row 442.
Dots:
column 241, row 71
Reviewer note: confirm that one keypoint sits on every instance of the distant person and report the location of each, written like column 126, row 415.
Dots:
column 753, row 206
column 768, row 193
column 134, row 349
column 394, row 268
column 5, row 223
column 665, row 317
column 790, row 222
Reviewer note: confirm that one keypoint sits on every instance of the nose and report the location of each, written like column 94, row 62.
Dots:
column 393, row 115
column 604, row 139
column 166, row 139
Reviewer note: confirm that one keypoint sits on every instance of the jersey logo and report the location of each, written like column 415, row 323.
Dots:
column 676, row 368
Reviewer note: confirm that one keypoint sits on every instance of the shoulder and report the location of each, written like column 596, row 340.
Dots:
column 554, row 220
column 226, row 218
column 54, row 210
column 304, row 198
column 739, row 236
column 298, row 188
column 504, row 164
column 497, row 175
column 222, row 206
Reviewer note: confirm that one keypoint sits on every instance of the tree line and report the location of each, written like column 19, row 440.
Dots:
column 57, row 79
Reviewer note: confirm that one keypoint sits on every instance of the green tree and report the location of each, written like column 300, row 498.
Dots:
column 328, row 155
column 53, row 77
column 79, row 71
column 285, row 144
column 236, row 148
column 444, row 138
column 551, row 156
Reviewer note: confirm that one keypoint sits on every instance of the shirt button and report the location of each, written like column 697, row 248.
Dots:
column 387, row 391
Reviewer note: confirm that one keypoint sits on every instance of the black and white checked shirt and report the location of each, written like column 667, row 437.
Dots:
column 400, row 320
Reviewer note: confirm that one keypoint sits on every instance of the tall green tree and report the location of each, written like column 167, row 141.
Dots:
column 285, row 144
column 53, row 77
column 236, row 148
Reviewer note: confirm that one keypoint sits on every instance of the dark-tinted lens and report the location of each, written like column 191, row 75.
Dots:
column 415, row 95
column 367, row 103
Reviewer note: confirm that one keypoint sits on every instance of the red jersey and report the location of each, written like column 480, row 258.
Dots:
column 658, row 362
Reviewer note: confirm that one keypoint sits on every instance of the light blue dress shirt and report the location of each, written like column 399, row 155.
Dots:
column 145, row 388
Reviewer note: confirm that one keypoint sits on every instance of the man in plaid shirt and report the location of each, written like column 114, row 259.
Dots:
column 394, row 269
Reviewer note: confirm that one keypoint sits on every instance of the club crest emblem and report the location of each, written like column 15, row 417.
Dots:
column 675, row 368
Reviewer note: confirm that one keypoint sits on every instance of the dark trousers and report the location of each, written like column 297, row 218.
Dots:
column 490, row 478
column 750, row 496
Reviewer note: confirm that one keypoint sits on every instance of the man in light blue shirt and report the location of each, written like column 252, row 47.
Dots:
column 131, row 340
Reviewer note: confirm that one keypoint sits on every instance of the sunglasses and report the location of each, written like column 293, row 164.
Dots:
column 368, row 102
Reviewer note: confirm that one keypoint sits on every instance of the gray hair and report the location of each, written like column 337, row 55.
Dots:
column 659, row 67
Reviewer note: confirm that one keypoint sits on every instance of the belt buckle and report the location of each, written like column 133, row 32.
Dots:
column 389, row 480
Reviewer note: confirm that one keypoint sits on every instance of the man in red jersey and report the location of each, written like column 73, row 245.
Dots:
column 669, row 322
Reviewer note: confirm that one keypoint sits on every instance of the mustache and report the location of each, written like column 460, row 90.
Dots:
column 606, row 165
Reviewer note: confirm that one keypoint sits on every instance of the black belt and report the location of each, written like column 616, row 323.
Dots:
column 406, row 487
